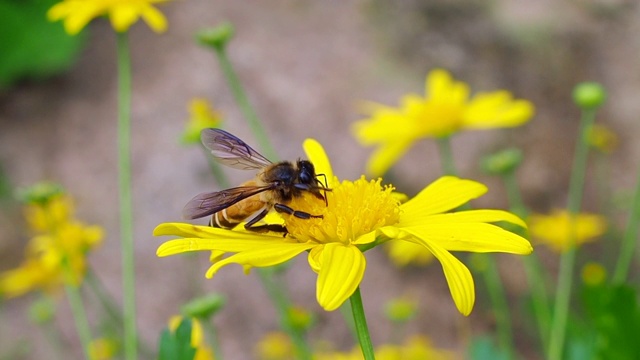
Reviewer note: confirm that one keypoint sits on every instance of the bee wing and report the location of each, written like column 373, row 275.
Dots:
column 210, row 203
column 231, row 151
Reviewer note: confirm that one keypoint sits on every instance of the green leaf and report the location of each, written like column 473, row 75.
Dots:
column 31, row 46
column 177, row 345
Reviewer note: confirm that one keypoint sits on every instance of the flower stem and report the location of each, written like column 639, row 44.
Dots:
column 532, row 267
column 282, row 305
column 567, row 261
column 361, row 325
column 79, row 315
column 629, row 240
column 243, row 101
column 126, row 206
column 105, row 300
column 500, row 305
column 446, row 156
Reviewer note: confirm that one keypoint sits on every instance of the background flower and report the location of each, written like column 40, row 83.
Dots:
column 554, row 230
column 445, row 109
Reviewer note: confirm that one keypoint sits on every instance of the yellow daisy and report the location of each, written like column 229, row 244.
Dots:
column 201, row 116
column 445, row 109
column 360, row 215
column 554, row 230
column 76, row 14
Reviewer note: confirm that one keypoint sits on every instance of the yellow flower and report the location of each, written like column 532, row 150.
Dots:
column 401, row 310
column 403, row 253
column 56, row 255
column 602, row 139
column 203, row 351
column 76, row 14
column 361, row 214
column 275, row 346
column 593, row 274
column 554, row 230
column 444, row 110
column 417, row 347
column 202, row 116
column 103, row 349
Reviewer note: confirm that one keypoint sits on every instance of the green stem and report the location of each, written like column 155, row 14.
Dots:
column 347, row 314
column 282, row 305
column 567, row 261
column 104, row 298
column 126, row 206
column 212, row 337
column 629, row 240
column 243, row 101
column 539, row 296
column 79, row 316
column 446, row 156
column 500, row 305
column 361, row 325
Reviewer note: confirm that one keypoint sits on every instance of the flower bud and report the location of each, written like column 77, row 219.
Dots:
column 300, row 318
column 401, row 310
column 589, row 95
column 42, row 311
column 503, row 162
column 216, row 37
column 40, row 193
column 203, row 307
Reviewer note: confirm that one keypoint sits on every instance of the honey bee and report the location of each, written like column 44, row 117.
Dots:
column 273, row 187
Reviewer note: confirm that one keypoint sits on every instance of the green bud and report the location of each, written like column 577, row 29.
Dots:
column 42, row 311
column 216, row 37
column 502, row 162
column 203, row 307
column 300, row 318
column 589, row 95
column 401, row 310
column 39, row 193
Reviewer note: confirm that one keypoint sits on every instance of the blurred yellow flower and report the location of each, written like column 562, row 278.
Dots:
column 416, row 347
column 444, row 110
column 554, row 230
column 56, row 255
column 76, row 14
column 593, row 274
column 203, row 351
column 103, row 349
column 358, row 215
column 201, row 116
column 401, row 309
column 275, row 346
column 403, row 253
column 602, row 139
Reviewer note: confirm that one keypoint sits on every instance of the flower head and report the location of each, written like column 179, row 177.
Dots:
column 76, row 14
column 359, row 215
column 445, row 109
column 56, row 255
column 555, row 230
column 201, row 116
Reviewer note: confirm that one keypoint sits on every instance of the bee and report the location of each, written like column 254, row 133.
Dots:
column 273, row 187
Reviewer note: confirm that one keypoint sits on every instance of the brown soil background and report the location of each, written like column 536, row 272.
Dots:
column 305, row 65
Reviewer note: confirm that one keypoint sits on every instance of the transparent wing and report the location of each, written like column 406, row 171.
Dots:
column 210, row 203
column 231, row 151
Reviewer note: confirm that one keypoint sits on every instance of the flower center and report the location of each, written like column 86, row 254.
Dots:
column 353, row 208
column 439, row 119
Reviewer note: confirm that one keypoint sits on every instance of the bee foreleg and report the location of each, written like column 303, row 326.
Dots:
column 256, row 218
column 299, row 214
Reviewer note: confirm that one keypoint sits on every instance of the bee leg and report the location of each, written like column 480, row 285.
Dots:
column 299, row 214
column 266, row 227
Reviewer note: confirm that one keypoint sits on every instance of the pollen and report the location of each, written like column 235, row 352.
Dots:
column 352, row 209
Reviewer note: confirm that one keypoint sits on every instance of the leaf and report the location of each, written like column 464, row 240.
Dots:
column 177, row 345
column 31, row 46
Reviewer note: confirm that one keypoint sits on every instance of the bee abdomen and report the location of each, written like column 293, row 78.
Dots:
column 221, row 220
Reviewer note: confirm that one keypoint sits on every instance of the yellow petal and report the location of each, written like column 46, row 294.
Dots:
column 458, row 277
column 441, row 87
column 444, row 194
column 123, row 16
column 179, row 246
column 496, row 109
column 470, row 216
column 156, row 20
column 199, row 231
column 342, row 270
column 478, row 237
column 263, row 256
column 315, row 258
column 386, row 155
column 318, row 157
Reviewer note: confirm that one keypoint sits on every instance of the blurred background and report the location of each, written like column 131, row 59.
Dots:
column 306, row 65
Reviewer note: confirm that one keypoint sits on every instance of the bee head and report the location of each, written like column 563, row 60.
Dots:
column 306, row 172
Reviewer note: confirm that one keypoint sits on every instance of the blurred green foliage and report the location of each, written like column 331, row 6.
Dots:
column 177, row 345
column 31, row 46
